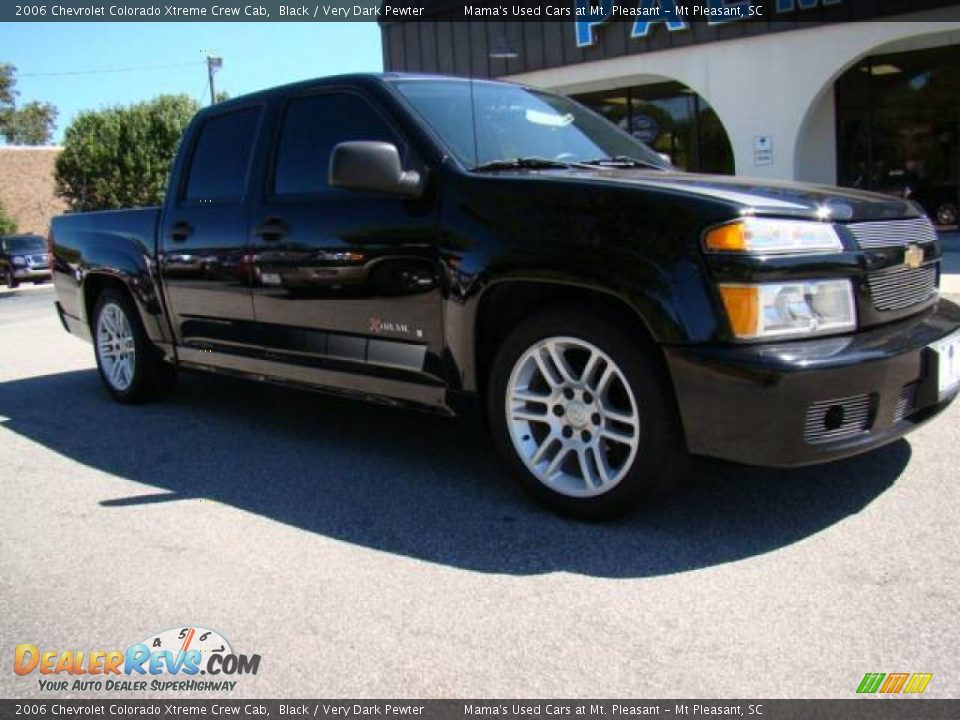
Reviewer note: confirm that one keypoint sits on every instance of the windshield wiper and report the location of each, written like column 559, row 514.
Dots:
column 622, row 161
column 522, row 163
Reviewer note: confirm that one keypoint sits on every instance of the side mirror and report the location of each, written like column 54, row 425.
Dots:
column 372, row 165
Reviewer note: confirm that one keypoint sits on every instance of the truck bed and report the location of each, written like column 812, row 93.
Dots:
column 109, row 241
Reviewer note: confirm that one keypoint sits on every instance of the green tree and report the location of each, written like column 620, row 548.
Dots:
column 121, row 156
column 8, row 91
column 8, row 225
column 31, row 124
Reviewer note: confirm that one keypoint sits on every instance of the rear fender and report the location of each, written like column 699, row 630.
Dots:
column 118, row 258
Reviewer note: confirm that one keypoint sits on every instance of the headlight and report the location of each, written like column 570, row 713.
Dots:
column 772, row 310
column 19, row 261
column 759, row 235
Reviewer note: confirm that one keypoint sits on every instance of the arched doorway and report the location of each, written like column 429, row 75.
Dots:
column 898, row 128
column 672, row 119
column 888, row 120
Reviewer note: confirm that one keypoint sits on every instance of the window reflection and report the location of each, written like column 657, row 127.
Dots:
column 672, row 119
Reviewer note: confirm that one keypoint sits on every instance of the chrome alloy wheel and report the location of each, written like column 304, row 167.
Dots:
column 116, row 347
column 572, row 416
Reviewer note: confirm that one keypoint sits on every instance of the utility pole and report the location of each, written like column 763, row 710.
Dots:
column 214, row 63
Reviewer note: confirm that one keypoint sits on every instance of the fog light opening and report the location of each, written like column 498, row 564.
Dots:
column 834, row 417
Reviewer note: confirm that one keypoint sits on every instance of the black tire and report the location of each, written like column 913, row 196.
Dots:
column 152, row 376
column 661, row 456
column 10, row 280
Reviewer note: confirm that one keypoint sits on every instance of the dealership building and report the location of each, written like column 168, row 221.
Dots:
column 861, row 93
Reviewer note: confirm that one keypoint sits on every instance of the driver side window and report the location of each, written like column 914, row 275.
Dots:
column 312, row 126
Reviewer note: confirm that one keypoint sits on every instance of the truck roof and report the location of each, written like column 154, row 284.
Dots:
column 347, row 78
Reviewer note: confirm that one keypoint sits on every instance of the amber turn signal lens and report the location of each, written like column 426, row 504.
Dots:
column 771, row 235
column 743, row 309
column 727, row 237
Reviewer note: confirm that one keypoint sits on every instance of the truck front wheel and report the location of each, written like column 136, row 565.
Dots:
column 130, row 365
column 584, row 415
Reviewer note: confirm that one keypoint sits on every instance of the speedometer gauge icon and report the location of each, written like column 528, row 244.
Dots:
column 193, row 637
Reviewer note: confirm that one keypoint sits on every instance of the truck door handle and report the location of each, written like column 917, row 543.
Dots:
column 181, row 231
column 271, row 229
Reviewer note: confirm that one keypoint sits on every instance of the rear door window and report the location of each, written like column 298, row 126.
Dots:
column 221, row 157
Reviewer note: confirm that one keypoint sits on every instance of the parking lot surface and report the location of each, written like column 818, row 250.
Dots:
column 364, row 551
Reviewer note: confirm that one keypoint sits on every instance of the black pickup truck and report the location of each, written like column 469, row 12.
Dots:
column 433, row 242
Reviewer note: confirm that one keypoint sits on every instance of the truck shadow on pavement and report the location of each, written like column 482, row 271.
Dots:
column 417, row 485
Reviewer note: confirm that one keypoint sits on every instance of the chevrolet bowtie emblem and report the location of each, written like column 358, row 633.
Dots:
column 913, row 256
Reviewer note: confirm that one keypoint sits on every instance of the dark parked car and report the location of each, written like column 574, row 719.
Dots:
column 939, row 200
column 442, row 243
column 24, row 257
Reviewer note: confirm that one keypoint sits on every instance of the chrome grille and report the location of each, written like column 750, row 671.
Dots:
column 41, row 260
column 838, row 419
column 892, row 233
column 901, row 287
column 906, row 402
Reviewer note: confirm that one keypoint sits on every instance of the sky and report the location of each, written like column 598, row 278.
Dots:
column 255, row 56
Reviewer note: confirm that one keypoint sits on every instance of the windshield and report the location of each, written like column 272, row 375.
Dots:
column 24, row 244
column 515, row 122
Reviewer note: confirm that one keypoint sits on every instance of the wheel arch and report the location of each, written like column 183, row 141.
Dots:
column 505, row 303
column 94, row 284
column 142, row 295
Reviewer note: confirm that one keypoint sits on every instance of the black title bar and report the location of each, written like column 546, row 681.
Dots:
column 388, row 11
column 856, row 709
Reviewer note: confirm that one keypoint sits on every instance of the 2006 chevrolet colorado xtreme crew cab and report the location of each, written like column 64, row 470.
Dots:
column 428, row 240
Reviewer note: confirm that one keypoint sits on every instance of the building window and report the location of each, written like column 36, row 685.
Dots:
column 673, row 120
column 898, row 121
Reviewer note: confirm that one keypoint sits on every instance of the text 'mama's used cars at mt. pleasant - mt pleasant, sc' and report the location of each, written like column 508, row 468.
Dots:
column 432, row 241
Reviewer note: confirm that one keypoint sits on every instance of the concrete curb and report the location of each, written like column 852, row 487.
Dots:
column 24, row 287
column 950, row 274
column 950, row 284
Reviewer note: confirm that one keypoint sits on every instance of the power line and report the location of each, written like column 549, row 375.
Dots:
column 100, row 71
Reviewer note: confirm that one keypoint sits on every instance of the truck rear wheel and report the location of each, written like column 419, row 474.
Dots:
column 584, row 415
column 130, row 366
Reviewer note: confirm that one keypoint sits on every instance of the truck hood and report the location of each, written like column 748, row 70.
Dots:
column 760, row 196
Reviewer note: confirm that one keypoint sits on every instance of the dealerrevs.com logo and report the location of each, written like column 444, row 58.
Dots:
column 182, row 659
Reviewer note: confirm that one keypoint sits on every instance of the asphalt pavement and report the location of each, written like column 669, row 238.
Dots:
column 365, row 551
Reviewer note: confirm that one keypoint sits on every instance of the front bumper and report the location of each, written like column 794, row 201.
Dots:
column 29, row 273
column 764, row 404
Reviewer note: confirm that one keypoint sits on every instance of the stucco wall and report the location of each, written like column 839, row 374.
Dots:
column 27, row 188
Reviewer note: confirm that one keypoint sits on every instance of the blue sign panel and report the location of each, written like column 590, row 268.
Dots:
column 676, row 16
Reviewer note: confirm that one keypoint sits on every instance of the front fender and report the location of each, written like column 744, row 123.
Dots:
column 639, row 248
